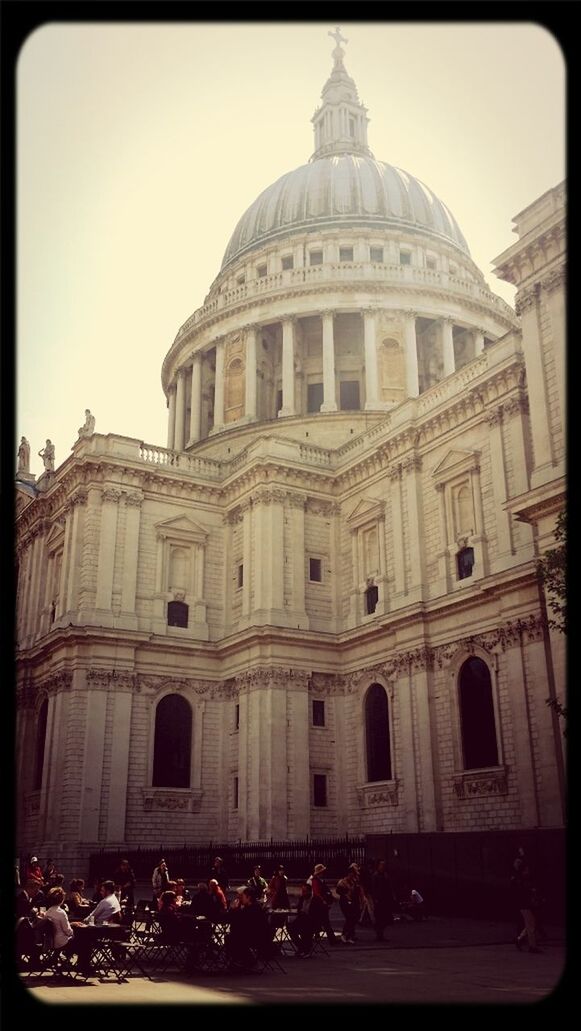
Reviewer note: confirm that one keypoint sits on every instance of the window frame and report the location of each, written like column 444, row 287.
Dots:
column 262, row 271
column 320, row 779
column 495, row 720
column 287, row 258
column 316, row 253
column 190, row 771
column 319, row 702
column 375, row 260
column 366, row 723
column 315, row 558
column 343, row 250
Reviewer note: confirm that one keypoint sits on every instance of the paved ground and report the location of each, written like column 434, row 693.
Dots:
column 436, row 961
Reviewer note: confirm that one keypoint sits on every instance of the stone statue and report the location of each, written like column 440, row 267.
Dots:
column 89, row 427
column 24, row 456
column 47, row 455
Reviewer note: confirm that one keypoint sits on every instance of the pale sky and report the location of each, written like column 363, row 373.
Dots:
column 140, row 146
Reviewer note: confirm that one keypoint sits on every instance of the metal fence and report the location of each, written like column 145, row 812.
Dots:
column 194, row 861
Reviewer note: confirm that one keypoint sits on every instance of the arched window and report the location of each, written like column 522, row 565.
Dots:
column 377, row 734
column 173, row 743
column 40, row 745
column 479, row 746
column 371, row 599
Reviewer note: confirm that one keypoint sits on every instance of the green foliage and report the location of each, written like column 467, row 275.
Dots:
column 555, row 704
column 551, row 570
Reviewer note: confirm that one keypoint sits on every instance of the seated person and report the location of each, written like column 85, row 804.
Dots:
column 249, row 929
column 182, row 893
column 171, row 886
column 203, row 903
column 413, row 905
column 78, row 906
column 24, row 905
column 107, row 911
column 218, row 898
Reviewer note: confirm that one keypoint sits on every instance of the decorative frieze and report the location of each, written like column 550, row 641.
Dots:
column 180, row 800
column 473, row 784
column 56, row 682
column 274, row 676
column 110, row 680
column 494, row 416
column 326, row 684
column 316, row 506
column 205, row 688
column 134, row 500
column 111, row 494
column 526, row 298
column 555, row 279
column 382, row 793
column 516, row 406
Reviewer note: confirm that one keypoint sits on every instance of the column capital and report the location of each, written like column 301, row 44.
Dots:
column 288, row 317
column 447, row 320
column 328, row 313
column 410, row 313
column 181, row 372
column 494, row 416
column 368, row 310
column 196, row 356
column 248, row 327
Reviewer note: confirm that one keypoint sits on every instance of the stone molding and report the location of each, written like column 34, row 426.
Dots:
column 111, row 494
column 317, row 506
column 412, row 464
column 134, row 500
column 183, row 800
column 326, row 684
column 55, row 682
column 516, row 405
column 381, row 793
column 272, row 676
column 475, row 783
column 494, row 416
column 109, row 680
column 154, row 685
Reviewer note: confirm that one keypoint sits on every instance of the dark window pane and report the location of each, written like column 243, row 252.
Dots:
column 349, row 396
column 237, row 716
column 278, row 400
column 316, row 258
column 40, row 745
column 173, row 743
column 261, row 271
column 240, row 575
column 315, row 570
column 320, row 789
column 371, row 598
column 465, row 562
column 177, row 613
column 376, row 253
column 345, row 254
column 405, row 258
column 287, row 261
column 477, row 716
column 318, row 713
column 236, row 792
column 377, row 734
column 314, row 397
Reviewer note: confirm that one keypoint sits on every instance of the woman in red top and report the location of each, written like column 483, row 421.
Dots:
column 218, row 897
column 277, row 893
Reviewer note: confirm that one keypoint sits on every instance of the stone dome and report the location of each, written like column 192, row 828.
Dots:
column 341, row 190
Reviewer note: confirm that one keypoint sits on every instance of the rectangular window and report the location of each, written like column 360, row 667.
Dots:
column 240, row 575
column 465, row 563
column 431, row 263
column 235, row 793
column 288, row 261
column 345, row 254
column 453, row 270
column 349, row 396
column 261, row 271
column 318, row 713
column 320, row 789
column 376, row 253
column 237, row 716
column 314, row 397
column 405, row 258
column 315, row 570
column 315, row 258
column 352, row 127
column 240, row 280
column 278, row 400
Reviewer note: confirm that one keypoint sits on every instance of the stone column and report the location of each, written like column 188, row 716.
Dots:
column 411, row 356
column 408, row 762
column 447, row 337
column 504, row 548
column 74, row 565
column 180, row 410
column 298, row 736
column 479, row 539
column 119, row 766
column 128, row 618
column 514, row 412
column 246, row 559
column 171, row 419
column 196, row 403
column 478, row 335
column 329, row 389
column 549, row 762
column 413, row 484
column 395, row 486
column 107, row 539
column 288, row 366
column 92, row 774
column 426, row 755
column 521, row 736
column 554, row 287
column 371, row 370
column 53, row 768
column 252, row 333
column 296, row 517
column 219, row 386
column 30, row 611
column 268, row 528
column 443, row 554
column 527, row 307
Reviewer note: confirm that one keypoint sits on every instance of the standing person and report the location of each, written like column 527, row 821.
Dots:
column 258, row 885
column 366, row 873
column 301, row 929
column 125, row 878
column 218, row 898
column 383, row 900
column 159, row 879
column 349, row 900
column 49, row 874
column 218, row 873
column 525, row 896
column 277, row 890
column 321, row 903
column 516, row 869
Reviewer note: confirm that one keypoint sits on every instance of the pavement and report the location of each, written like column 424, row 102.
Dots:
column 438, row 960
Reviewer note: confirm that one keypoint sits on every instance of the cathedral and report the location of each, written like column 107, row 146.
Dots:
column 315, row 611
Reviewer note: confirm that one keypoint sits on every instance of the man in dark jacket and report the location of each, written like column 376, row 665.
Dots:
column 321, row 903
column 218, row 873
column 383, row 902
column 249, row 929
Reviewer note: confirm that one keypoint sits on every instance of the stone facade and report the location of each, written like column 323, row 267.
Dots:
column 283, row 503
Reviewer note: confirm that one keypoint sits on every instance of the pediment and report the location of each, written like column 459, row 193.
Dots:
column 367, row 510
column 458, row 460
column 181, row 528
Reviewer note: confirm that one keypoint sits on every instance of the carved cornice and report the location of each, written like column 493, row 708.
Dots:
column 412, row 464
column 326, row 684
column 189, row 685
column 475, row 783
column 269, row 496
column 55, row 682
column 134, row 500
column 494, row 416
column 500, row 639
column 317, row 506
column 516, row 405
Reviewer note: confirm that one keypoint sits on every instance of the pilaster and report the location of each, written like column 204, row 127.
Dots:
column 180, row 410
column 411, row 355
column 288, row 366
column 527, row 306
column 329, row 389
column 196, row 399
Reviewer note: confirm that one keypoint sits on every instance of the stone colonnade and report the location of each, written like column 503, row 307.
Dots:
column 181, row 435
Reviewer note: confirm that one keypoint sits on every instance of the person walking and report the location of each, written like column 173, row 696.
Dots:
column 383, row 900
column 321, row 903
column 159, row 879
column 125, row 878
column 349, row 891
column 218, row 873
column 525, row 896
